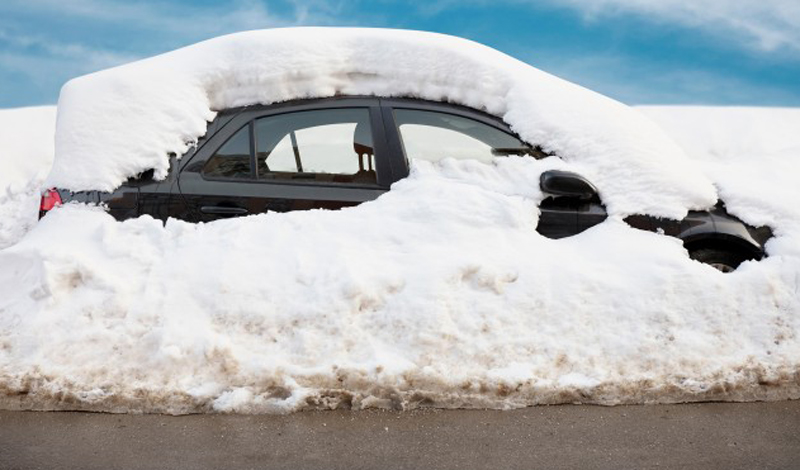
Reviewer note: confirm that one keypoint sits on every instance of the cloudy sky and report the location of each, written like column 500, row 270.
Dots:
column 639, row 51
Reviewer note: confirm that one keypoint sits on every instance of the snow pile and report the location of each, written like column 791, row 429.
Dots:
column 395, row 303
column 122, row 121
column 438, row 293
column 26, row 153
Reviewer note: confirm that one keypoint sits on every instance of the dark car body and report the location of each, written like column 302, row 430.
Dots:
column 246, row 185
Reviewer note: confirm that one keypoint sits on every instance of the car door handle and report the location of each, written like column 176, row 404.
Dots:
column 223, row 210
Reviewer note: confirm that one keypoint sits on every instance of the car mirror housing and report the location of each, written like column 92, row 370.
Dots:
column 568, row 184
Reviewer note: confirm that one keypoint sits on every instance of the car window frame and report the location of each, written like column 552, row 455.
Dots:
column 219, row 147
column 385, row 169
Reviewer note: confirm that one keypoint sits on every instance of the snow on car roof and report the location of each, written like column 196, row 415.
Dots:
column 119, row 122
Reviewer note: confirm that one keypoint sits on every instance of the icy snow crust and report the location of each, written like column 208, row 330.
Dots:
column 439, row 293
column 122, row 121
column 26, row 153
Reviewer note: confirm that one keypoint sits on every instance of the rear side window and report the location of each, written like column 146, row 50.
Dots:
column 331, row 145
column 232, row 160
column 433, row 136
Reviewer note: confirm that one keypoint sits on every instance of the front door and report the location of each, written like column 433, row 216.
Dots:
column 295, row 159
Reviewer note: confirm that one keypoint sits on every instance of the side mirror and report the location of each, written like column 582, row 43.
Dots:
column 567, row 183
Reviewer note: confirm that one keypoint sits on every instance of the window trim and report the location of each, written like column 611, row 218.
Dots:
column 452, row 109
column 246, row 116
column 217, row 148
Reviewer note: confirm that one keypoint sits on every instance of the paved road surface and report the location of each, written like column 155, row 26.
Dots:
column 698, row 436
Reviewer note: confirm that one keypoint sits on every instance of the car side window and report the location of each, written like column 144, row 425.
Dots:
column 232, row 159
column 330, row 145
column 433, row 136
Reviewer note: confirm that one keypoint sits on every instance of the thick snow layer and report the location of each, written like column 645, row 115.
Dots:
column 26, row 153
column 394, row 303
column 119, row 122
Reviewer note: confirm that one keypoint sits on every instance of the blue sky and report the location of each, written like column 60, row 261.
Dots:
column 744, row 52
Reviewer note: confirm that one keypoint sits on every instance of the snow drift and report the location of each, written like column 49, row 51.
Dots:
column 26, row 153
column 390, row 304
column 399, row 303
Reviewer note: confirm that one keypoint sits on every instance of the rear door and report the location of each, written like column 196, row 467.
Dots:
column 325, row 154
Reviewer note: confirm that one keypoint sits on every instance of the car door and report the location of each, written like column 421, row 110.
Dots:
column 325, row 154
column 432, row 131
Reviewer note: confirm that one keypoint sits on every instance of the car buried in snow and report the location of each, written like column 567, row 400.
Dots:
column 337, row 152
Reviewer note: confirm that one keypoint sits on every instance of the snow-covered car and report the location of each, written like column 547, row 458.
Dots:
column 434, row 288
column 336, row 152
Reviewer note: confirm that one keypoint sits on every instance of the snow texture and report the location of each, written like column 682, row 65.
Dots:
column 393, row 304
column 26, row 153
column 439, row 293
column 122, row 121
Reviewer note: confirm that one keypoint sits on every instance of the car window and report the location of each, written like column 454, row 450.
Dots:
column 331, row 145
column 232, row 160
column 433, row 136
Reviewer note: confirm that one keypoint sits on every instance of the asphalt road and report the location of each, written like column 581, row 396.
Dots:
column 697, row 436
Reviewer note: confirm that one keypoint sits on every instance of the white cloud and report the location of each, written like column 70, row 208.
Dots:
column 763, row 25
column 83, row 57
column 84, row 36
column 634, row 82
column 178, row 20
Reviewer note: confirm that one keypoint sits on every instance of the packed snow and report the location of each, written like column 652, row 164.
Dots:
column 439, row 293
column 26, row 153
